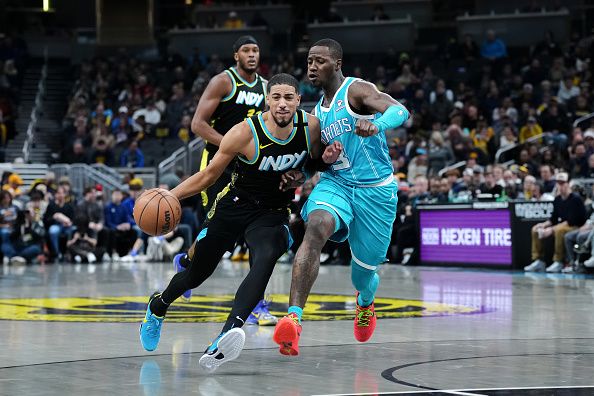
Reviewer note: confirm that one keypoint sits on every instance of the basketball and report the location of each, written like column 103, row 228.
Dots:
column 157, row 211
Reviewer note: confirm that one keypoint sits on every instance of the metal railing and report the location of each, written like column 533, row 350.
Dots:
column 35, row 110
column 514, row 146
column 183, row 157
column 582, row 119
column 83, row 175
column 450, row 167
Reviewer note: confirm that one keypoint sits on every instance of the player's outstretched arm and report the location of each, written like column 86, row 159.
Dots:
column 236, row 141
column 365, row 96
column 218, row 87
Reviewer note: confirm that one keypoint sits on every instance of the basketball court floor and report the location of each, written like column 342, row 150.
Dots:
column 73, row 330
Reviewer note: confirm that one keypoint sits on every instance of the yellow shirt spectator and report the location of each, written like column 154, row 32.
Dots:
column 529, row 130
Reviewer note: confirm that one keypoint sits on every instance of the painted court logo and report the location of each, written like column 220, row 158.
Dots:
column 212, row 308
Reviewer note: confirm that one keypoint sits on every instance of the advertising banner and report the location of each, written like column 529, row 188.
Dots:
column 466, row 236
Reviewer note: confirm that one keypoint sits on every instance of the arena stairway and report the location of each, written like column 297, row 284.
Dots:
column 49, row 124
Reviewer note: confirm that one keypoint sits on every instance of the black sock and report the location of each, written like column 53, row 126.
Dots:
column 185, row 261
column 158, row 306
column 232, row 323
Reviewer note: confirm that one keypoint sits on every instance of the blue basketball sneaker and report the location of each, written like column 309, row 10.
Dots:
column 226, row 347
column 150, row 328
column 261, row 315
column 179, row 268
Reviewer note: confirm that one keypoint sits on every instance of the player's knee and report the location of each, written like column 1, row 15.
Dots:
column 319, row 229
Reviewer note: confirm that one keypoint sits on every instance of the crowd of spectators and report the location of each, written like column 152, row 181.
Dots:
column 488, row 122
column 51, row 223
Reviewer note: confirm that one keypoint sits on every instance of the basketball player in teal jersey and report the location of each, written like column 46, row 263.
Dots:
column 355, row 199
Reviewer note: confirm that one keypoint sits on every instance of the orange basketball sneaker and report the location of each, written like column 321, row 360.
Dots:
column 287, row 333
column 365, row 321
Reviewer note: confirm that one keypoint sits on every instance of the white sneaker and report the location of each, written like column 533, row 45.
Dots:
column 324, row 257
column 115, row 257
column 18, row 260
column 536, row 266
column 223, row 350
column 106, row 258
column 91, row 258
column 127, row 258
column 77, row 259
column 555, row 267
column 589, row 263
column 568, row 270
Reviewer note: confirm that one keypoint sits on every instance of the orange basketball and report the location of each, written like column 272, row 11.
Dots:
column 157, row 211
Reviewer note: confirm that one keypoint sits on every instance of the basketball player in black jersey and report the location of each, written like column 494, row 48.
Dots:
column 267, row 146
column 229, row 98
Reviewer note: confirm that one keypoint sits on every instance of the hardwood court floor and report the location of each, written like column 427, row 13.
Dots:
column 73, row 330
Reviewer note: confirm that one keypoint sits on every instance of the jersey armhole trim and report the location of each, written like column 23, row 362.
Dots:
column 226, row 98
column 256, row 142
column 348, row 106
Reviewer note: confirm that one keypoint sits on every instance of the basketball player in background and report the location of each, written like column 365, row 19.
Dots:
column 355, row 199
column 267, row 146
column 230, row 97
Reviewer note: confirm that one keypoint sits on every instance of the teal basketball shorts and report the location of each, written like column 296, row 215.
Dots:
column 363, row 215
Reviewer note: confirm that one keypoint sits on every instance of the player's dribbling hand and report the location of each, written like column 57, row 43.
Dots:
column 365, row 128
column 291, row 179
column 332, row 152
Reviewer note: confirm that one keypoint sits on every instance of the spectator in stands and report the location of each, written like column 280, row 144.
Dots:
column 233, row 21
column 469, row 49
column 38, row 203
column 26, row 241
column 143, row 88
column 418, row 165
column 527, row 188
column 14, row 185
column 102, row 153
column 578, row 237
column 379, row 14
column 64, row 182
column 58, row 220
column 567, row 90
column 490, row 186
column 132, row 157
column 151, row 114
column 531, row 129
column 569, row 213
column 508, row 138
column 136, row 186
column 546, row 175
column 590, row 171
column 81, row 245
column 578, row 164
column 101, row 115
column 440, row 154
column 8, row 215
column 76, row 154
column 90, row 209
column 493, row 48
column 119, row 225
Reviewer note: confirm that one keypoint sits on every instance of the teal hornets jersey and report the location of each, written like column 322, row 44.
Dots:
column 364, row 160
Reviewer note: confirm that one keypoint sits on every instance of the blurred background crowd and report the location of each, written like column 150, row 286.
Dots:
column 488, row 123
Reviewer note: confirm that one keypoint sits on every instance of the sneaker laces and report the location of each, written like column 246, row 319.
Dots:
column 363, row 316
column 294, row 318
column 153, row 326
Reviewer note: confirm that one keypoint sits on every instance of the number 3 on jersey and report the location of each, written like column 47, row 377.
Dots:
column 342, row 162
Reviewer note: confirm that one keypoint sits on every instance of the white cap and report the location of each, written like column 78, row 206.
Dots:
column 589, row 133
column 123, row 109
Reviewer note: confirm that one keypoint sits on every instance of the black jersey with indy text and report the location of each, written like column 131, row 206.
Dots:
column 244, row 101
column 260, row 177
